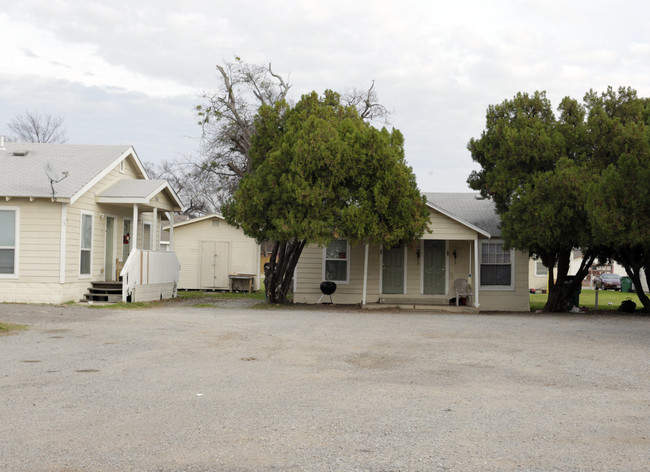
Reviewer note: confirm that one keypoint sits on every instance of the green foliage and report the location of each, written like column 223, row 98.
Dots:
column 199, row 295
column 588, row 300
column 320, row 171
column 532, row 166
column 546, row 214
column 581, row 180
column 619, row 195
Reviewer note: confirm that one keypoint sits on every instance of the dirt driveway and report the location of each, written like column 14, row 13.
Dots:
column 239, row 389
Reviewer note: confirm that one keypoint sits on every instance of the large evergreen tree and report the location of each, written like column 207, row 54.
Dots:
column 533, row 167
column 619, row 194
column 319, row 172
column 581, row 180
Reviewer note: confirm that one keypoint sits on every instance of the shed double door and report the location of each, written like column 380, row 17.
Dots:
column 215, row 264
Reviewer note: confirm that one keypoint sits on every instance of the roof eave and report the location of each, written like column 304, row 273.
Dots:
column 199, row 219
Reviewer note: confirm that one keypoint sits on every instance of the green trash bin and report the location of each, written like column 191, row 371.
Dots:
column 626, row 284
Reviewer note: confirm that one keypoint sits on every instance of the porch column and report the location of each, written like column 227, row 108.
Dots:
column 365, row 276
column 476, row 273
column 154, row 227
column 171, row 233
column 134, row 228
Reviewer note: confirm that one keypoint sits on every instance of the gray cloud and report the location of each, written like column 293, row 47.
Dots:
column 438, row 66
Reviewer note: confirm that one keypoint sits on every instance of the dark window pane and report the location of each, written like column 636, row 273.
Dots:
column 85, row 262
column 336, row 270
column 7, row 261
column 495, row 274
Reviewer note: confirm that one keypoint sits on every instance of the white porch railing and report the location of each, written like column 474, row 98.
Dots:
column 145, row 267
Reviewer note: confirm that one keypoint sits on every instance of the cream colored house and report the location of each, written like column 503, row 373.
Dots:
column 537, row 275
column 213, row 254
column 82, row 221
column 463, row 243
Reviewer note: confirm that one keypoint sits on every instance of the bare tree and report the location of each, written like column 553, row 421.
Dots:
column 227, row 117
column 367, row 104
column 229, row 111
column 199, row 191
column 38, row 128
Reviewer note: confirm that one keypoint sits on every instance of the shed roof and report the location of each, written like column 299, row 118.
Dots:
column 200, row 218
column 468, row 208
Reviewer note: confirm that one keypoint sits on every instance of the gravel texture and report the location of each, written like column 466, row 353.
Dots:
column 230, row 388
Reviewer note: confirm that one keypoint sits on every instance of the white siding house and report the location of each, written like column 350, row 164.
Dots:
column 58, row 238
column 463, row 242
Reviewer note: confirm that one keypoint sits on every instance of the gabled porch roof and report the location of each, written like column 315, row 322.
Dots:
column 146, row 193
column 468, row 209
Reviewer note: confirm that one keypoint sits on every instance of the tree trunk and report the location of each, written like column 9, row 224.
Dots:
column 278, row 278
column 633, row 263
column 559, row 297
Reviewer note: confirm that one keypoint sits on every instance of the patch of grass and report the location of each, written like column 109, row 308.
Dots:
column 192, row 294
column 126, row 306
column 6, row 328
column 588, row 299
column 204, row 305
column 268, row 306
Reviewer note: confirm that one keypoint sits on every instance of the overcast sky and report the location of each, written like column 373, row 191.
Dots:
column 125, row 72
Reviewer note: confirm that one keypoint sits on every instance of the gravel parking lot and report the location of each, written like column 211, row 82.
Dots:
column 230, row 388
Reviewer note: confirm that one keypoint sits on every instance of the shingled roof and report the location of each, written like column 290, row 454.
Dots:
column 23, row 175
column 468, row 208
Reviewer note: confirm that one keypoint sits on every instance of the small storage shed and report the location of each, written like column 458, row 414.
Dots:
column 212, row 253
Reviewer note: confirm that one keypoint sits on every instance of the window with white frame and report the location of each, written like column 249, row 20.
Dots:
column 85, row 264
column 122, row 166
column 540, row 269
column 8, row 242
column 496, row 265
column 336, row 265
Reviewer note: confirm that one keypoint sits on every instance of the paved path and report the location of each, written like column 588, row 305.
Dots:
column 239, row 389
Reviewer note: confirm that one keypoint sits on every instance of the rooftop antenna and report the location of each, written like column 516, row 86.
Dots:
column 55, row 176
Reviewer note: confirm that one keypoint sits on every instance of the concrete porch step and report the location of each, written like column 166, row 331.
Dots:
column 442, row 300
column 430, row 308
column 103, row 298
column 110, row 292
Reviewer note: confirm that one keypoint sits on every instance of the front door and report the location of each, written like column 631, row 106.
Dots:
column 433, row 267
column 393, row 270
column 109, row 257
